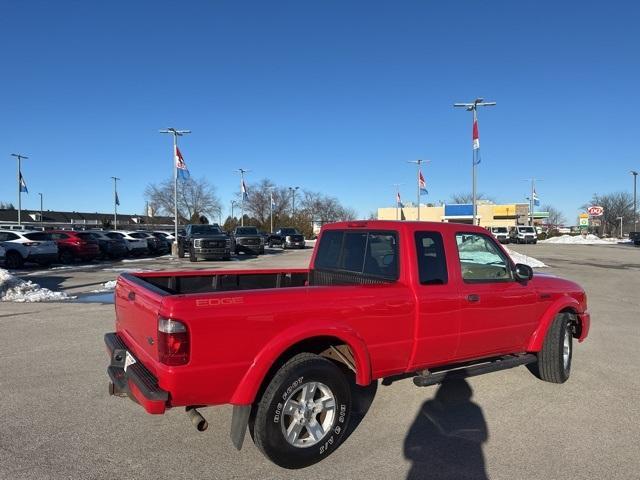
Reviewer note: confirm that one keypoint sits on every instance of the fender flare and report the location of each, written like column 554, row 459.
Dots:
column 250, row 384
column 537, row 339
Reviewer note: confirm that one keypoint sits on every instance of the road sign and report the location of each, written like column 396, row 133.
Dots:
column 595, row 211
column 584, row 222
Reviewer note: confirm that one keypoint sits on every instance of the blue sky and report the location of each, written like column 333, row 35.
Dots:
column 333, row 96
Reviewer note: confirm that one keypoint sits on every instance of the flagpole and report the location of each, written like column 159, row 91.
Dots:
column 115, row 202
column 418, row 163
column 397, row 185
column 19, row 157
column 176, row 134
column 532, row 201
column 473, row 107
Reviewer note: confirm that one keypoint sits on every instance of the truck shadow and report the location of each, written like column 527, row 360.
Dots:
column 445, row 440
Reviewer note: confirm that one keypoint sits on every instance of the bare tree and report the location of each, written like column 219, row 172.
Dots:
column 615, row 205
column 555, row 216
column 196, row 197
column 465, row 198
column 7, row 206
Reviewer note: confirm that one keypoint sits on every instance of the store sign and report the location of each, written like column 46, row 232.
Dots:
column 595, row 211
column 584, row 222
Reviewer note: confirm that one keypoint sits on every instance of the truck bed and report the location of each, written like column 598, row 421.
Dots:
column 180, row 283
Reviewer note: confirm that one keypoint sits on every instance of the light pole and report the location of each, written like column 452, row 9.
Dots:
column 473, row 107
column 635, row 200
column 293, row 199
column 418, row 163
column 243, row 193
column 116, row 202
column 20, row 158
column 40, row 209
column 175, row 133
column 271, row 208
column 233, row 204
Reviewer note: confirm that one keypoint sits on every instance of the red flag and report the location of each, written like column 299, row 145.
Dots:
column 476, row 137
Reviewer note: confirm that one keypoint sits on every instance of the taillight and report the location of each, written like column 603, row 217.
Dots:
column 173, row 342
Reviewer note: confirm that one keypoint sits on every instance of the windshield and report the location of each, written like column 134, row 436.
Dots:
column 247, row 231
column 499, row 229
column 289, row 231
column 526, row 230
column 205, row 229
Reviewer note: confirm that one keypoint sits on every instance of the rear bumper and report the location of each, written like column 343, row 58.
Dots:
column 585, row 324
column 295, row 244
column 135, row 381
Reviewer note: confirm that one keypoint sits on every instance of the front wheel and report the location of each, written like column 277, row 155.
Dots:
column 303, row 414
column 192, row 255
column 554, row 360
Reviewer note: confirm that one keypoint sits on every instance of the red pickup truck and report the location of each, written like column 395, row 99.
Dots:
column 380, row 299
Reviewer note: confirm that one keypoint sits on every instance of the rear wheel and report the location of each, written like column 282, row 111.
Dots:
column 13, row 260
column 66, row 256
column 554, row 360
column 303, row 414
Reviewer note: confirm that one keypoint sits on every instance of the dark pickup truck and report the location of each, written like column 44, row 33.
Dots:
column 204, row 242
column 286, row 238
column 248, row 240
column 635, row 237
column 287, row 347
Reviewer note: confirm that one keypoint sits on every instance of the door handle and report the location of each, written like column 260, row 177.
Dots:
column 473, row 298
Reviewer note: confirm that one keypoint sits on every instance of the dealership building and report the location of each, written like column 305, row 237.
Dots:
column 489, row 213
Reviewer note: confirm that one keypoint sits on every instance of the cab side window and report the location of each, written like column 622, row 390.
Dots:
column 481, row 260
column 432, row 263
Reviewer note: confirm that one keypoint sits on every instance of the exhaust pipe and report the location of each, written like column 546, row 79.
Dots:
column 198, row 420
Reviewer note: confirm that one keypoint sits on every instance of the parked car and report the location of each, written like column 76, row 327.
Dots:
column 501, row 234
column 168, row 236
column 109, row 247
column 525, row 234
column 379, row 299
column 635, row 237
column 206, row 242
column 135, row 246
column 155, row 245
column 2, row 254
column 248, row 240
column 23, row 246
column 287, row 238
column 74, row 245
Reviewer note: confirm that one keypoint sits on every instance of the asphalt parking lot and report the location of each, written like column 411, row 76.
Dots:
column 57, row 420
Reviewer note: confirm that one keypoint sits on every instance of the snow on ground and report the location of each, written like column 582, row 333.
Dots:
column 14, row 289
column 527, row 260
column 106, row 287
column 578, row 240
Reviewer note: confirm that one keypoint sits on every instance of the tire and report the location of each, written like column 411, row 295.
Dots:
column 270, row 244
column 180, row 250
column 13, row 260
column 66, row 257
column 284, row 245
column 192, row 256
column 226, row 258
column 292, row 381
column 261, row 251
column 554, row 360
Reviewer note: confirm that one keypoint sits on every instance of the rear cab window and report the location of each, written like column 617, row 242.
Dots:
column 368, row 253
column 432, row 262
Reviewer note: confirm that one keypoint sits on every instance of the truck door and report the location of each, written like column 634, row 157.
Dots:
column 498, row 313
column 438, row 303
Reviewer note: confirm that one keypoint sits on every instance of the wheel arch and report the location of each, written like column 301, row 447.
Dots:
column 562, row 305
column 276, row 354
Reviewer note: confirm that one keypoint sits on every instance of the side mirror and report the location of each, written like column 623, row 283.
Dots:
column 522, row 272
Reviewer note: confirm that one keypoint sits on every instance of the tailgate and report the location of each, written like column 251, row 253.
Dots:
column 137, row 307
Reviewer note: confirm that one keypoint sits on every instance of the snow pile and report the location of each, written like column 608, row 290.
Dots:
column 520, row 258
column 577, row 240
column 14, row 289
column 106, row 287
